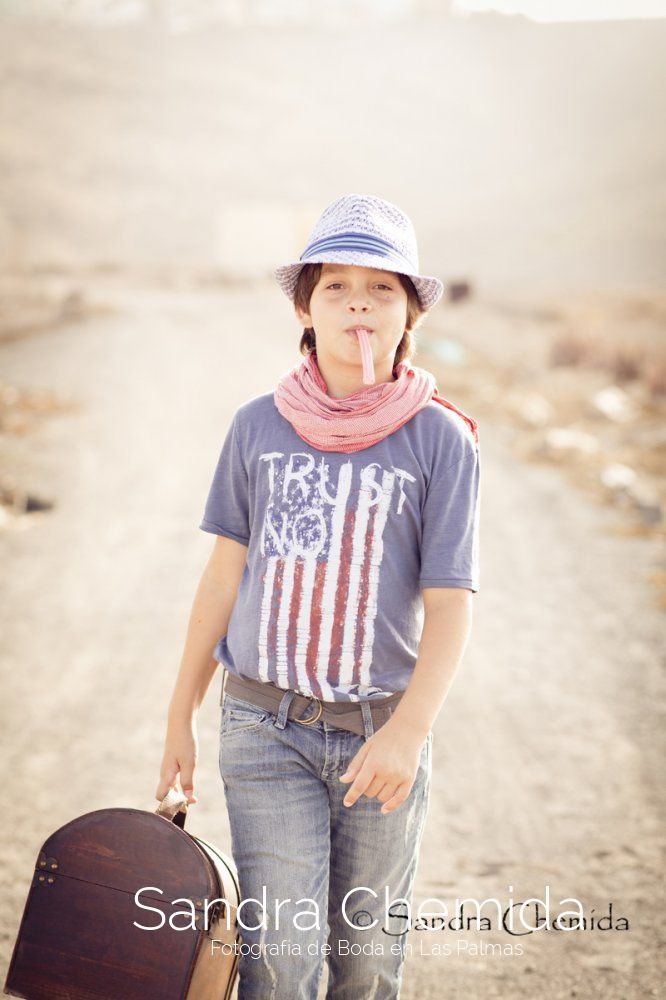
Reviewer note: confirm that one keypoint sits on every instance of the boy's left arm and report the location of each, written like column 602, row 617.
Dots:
column 385, row 767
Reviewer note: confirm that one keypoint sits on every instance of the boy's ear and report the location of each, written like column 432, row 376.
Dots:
column 303, row 317
column 420, row 319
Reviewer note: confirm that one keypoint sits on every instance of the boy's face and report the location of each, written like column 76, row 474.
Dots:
column 346, row 296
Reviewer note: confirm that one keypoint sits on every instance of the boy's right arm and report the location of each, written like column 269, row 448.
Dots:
column 209, row 619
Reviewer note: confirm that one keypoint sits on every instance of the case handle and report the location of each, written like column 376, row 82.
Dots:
column 173, row 807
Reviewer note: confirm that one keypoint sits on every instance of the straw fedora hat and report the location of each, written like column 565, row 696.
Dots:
column 365, row 230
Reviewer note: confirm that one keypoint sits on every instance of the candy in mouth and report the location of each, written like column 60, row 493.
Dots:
column 366, row 356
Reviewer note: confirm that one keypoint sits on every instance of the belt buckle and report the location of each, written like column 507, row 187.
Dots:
column 320, row 709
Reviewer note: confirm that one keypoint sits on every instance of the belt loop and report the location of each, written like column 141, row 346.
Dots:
column 367, row 720
column 281, row 719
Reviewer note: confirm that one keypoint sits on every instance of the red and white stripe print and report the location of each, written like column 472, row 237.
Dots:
column 323, row 554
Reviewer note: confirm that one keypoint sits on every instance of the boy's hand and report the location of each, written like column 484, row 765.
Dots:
column 181, row 752
column 385, row 767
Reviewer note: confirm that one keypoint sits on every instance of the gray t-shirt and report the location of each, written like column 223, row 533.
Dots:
column 339, row 547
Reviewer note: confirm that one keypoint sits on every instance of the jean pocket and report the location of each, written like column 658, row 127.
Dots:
column 241, row 717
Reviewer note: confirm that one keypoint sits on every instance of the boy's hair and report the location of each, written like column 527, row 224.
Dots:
column 307, row 280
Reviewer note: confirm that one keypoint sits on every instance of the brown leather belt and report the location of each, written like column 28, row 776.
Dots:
column 343, row 715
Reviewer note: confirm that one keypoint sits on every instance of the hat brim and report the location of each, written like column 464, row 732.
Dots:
column 428, row 289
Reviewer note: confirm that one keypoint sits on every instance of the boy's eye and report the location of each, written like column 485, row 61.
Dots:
column 381, row 285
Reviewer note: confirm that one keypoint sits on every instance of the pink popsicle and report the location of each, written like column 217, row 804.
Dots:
column 366, row 357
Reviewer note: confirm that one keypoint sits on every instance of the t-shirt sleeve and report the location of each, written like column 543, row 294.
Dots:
column 227, row 509
column 450, row 525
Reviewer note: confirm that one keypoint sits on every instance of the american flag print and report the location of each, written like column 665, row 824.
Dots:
column 323, row 544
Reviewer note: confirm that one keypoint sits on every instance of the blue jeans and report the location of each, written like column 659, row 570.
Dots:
column 292, row 835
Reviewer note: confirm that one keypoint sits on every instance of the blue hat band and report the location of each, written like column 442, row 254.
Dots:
column 356, row 243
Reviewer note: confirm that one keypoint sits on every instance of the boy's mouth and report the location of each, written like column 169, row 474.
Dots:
column 355, row 329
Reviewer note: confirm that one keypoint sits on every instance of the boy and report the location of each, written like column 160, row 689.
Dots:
column 338, row 595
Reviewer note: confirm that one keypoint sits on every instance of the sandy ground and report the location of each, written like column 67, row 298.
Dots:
column 546, row 753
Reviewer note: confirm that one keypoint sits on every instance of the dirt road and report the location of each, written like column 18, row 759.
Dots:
column 545, row 754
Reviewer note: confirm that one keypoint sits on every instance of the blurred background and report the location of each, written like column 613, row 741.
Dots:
column 158, row 160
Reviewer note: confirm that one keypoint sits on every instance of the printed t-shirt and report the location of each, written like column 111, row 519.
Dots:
column 340, row 546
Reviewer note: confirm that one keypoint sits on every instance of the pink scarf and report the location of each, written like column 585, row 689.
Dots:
column 362, row 419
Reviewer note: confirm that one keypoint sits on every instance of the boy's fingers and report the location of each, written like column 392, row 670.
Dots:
column 398, row 797
column 361, row 782
column 167, row 780
column 386, row 792
column 375, row 787
column 187, row 784
column 355, row 764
